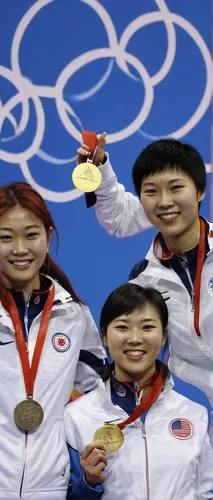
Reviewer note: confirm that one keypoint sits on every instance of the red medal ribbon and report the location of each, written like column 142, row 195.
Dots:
column 91, row 140
column 147, row 402
column 29, row 373
column 199, row 266
column 197, row 283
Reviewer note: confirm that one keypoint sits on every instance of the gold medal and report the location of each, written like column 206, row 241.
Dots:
column 28, row 415
column 86, row 177
column 111, row 436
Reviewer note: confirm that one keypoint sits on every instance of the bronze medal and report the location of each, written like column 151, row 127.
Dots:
column 111, row 436
column 86, row 177
column 28, row 415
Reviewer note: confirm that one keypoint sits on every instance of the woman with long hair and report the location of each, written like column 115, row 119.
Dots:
column 48, row 343
column 134, row 437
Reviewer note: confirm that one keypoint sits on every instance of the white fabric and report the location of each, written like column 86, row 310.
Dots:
column 119, row 212
column 191, row 356
column 44, row 458
column 171, row 469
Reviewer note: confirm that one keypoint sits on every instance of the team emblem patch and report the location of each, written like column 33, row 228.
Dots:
column 181, row 428
column 61, row 342
column 120, row 390
column 210, row 286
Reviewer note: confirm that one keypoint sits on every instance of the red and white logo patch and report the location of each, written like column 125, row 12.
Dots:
column 61, row 342
column 181, row 428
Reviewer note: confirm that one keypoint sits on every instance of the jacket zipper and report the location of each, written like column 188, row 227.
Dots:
column 146, row 461
column 184, row 264
column 24, row 464
column 26, row 312
column 138, row 400
column 26, row 432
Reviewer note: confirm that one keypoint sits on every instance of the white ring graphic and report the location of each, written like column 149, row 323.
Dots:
column 145, row 20
column 26, row 91
column 91, row 56
column 47, row 194
column 117, row 53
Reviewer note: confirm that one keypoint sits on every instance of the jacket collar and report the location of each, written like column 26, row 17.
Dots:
column 62, row 297
column 158, row 250
column 105, row 395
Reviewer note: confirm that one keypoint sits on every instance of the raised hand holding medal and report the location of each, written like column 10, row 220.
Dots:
column 86, row 176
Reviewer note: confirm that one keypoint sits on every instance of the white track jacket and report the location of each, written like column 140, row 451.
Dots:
column 191, row 357
column 35, row 465
column 157, row 461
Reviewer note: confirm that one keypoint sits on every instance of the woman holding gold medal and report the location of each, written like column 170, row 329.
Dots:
column 48, row 342
column 134, row 437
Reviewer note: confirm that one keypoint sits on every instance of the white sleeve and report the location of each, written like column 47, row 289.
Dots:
column 204, row 476
column 92, row 357
column 119, row 212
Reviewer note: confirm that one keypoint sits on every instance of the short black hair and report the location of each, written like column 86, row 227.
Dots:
column 167, row 154
column 124, row 300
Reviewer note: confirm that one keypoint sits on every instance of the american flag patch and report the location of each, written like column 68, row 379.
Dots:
column 181, row 428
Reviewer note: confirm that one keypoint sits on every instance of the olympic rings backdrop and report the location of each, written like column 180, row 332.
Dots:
column 139, row 70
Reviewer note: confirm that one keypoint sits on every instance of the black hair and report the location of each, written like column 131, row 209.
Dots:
column 22, row 194
column 124, row 300
column 169, row 154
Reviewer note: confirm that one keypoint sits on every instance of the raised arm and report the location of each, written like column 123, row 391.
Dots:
column 118, row 211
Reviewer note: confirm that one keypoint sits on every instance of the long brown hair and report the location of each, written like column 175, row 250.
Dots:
column 21, row 193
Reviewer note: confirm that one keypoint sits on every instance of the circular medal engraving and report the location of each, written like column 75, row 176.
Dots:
column 28, row 415
column 111, row 436
column 86, row 177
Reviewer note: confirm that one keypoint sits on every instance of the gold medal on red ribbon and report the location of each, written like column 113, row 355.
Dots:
column 111, row 436
column 86, row 176
column 28, row 414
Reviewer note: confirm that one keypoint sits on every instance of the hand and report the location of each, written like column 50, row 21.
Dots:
column 93, row 461
column 84, row 151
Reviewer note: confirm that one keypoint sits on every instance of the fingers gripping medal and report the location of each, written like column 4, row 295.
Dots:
column 28, row 414
column 86, row 176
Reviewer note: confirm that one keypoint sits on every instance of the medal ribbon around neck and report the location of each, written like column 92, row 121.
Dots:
column 28, row 414
column 111, row 435
column 148, row 401
column 29, row 373
column 199, row 267
column 197, row 283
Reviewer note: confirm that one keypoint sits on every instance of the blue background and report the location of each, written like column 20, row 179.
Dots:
column 61, row 31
